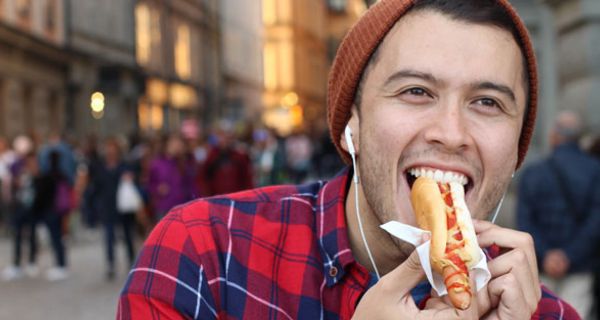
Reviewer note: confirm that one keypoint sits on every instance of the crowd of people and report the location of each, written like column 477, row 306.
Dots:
column 559, row 205
column 125, row 186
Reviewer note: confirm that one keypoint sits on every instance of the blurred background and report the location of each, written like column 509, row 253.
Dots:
column 190, row 95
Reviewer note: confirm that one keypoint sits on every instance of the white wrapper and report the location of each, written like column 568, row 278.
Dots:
column 415, row 236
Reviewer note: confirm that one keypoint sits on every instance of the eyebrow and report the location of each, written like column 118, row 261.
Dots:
column 407, row 73
column 487, row 85
column 483, row 85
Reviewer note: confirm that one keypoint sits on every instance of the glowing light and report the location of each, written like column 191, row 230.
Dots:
column 97, row 102
column 290, row 99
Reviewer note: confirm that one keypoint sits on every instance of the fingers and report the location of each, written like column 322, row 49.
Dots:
column 489, row 234
column 514, row 290
column 506, row 293
column 405, row 277
column 510, row 263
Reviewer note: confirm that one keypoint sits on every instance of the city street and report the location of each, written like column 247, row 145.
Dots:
column 86, row 294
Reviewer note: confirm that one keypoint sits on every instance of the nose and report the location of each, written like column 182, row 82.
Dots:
column 448, row 129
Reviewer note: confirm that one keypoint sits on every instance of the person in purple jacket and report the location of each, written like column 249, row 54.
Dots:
column 171, row 178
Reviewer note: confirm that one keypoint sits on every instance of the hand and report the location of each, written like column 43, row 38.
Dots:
column 514, row 290
column 556, row 263
column 390, row 298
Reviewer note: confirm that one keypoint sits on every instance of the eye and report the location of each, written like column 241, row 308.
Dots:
column 489, row 105
column 415, row 96
column 487, row 102
column 416, row 92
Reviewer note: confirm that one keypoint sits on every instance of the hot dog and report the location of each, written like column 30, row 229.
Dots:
column 441, row 209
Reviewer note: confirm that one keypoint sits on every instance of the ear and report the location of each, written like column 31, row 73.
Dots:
column 354, row 124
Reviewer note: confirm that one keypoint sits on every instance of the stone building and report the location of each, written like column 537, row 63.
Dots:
column 101, row 45
column 33, row 67
column 295, row 63
column 242, row 47
column 178, row 50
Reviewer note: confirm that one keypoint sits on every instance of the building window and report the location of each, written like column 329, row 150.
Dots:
column 276, row 11
column 337, row 5
column 143, row 33
column 148, row 36
column 279, row 65
column 150, row 116
column 24, row 13
column 183, row 59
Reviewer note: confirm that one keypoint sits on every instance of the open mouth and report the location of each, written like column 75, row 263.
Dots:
column 439, row 176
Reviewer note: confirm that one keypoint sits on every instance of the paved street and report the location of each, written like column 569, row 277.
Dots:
column 84, row 295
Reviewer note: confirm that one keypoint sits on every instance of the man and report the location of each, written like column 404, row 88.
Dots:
column 227, row 167
column 559, row 204
column 430, row 84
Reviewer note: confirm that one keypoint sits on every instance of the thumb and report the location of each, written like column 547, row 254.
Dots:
column 407, row 275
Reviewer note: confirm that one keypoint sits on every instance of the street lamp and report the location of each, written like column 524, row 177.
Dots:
column 97, row 105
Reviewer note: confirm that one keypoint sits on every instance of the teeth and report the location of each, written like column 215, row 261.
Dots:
column 439, row 175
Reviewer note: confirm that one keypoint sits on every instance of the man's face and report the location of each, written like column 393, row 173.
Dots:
column 442, row 95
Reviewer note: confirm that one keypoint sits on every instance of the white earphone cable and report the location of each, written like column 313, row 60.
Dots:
column 498, row 208
column 358, row 217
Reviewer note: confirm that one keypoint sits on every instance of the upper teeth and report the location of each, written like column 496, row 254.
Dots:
column 439, row 175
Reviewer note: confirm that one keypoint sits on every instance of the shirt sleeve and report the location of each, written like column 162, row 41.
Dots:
column 552, row 307
column 167, row 281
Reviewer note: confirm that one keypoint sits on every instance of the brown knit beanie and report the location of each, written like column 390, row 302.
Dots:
column 363, row 39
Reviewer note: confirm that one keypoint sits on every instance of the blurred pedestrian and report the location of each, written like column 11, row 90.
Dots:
column 171, row 177
column 53, row 192
column 108, row 173
column 227, row 167
column 67, row 165
column 263, row 156
column 325, row 158
column 25, row 215
column 298, row 148
column 559, row 205
column 87, row 172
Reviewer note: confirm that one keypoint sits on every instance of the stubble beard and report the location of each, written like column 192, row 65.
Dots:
column 377, row 189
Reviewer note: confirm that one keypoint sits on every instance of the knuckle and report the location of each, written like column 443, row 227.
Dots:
column 520, row 256
column 527, row 240
column 510, row 280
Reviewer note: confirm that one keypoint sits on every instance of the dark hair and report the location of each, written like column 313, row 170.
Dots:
column 483, row 12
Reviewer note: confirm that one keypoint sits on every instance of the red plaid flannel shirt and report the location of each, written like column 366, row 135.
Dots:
column 272, row 253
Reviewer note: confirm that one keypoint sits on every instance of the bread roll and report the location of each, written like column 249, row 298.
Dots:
column 440, row 208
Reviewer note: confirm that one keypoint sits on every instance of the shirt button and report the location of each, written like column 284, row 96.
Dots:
column 333, row 271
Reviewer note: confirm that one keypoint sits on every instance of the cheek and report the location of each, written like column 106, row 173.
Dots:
column 499, row 149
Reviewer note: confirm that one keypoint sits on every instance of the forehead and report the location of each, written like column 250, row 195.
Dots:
column 433, row 42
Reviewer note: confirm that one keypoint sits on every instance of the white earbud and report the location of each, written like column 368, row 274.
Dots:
column 348, row 135
column 351, row 150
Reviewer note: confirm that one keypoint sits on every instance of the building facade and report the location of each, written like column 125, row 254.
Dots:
column 101, row 44
column 33, row 67
column 242, row 47
column 577, row 29
column 295, row 64
column 178, row 50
